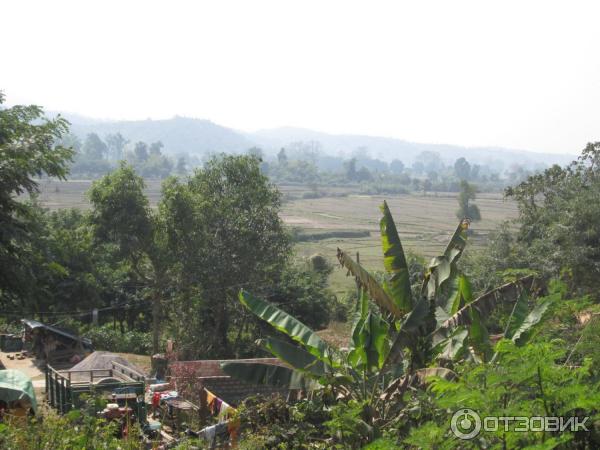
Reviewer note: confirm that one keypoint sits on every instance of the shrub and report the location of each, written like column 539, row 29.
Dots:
column 108, row 339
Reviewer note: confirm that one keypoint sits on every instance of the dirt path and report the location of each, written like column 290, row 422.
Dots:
column 27, row 366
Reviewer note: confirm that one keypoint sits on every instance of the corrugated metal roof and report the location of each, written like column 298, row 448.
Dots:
column 33, row 324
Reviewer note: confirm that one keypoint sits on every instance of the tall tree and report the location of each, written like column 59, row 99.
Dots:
column 27, row 150
column 462, row 169
column 223, row 229
column 156, row 148
column 466, row 209
column 116, row 145
column 282, row 158
column 350, row 169
column 397, row 166
column 94, row 147
column 140, row 152
column 181, row 167
column 121, row 215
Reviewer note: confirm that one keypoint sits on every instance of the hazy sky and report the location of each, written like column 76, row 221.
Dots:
column 521, row 74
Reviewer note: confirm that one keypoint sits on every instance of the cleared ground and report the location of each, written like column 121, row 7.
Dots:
column 425, row 222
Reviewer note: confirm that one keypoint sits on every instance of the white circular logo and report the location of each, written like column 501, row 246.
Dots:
column 465, row 424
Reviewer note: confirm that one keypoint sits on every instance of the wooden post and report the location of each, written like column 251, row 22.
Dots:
column 155, row 322
column 61, row 396
column 53, row 388
column 48, row 385
column 46, row 374
column 68, row 396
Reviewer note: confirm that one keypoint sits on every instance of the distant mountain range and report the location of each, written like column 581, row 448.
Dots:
column 199, row 137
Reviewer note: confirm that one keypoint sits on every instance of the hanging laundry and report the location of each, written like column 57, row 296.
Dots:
column 233, row 428
column 210, row 401
column 210, row 398
column 210, row 433
column 220, row 428
column 224, row 412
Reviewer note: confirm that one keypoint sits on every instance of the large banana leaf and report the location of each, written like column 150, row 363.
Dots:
column 518, row 314
column 362, row 311
column 394, row 262
column 479, row 337
column 524, row 329
column 443, row 267
column 451, row 348
column 370, row 343
column 295, row 356
column 368, row 282
column 484, row 305
column 459, row 294
column 268, row 374
column 409, row 331
column 287, row 324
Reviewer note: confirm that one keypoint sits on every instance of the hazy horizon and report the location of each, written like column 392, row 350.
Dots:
column 513, row 75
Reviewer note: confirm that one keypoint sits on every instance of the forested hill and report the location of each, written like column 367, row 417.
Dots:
column 179, row 134
column 198, row 137
column 386, row 148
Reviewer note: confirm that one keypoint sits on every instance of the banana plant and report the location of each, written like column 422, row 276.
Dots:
column 311, row 362
column 398, row 339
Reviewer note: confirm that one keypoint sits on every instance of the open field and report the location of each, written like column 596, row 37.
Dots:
column 425, row 222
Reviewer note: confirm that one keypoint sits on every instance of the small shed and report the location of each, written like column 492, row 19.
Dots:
column 53, row 344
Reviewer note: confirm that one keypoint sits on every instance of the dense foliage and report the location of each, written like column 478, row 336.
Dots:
column 27, row 151
column 559, row 215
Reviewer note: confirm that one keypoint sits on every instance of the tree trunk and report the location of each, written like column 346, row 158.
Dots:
column 155, row 322
column 222, row 327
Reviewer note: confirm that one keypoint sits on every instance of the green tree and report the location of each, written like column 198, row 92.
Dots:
column 466, row 209
column 397, row 166
column 431, row 161
column 27, row 150
column 282, row 158
column 559, row 216
column 181, row 167
column 156, row 166
column 363, row 175
column 462, row 169
column 71, row 141
column 121, row 215
column 116, row 145
column 427, row 186
column 418, row 167
column 94, row 148
column 140, row 152
column 156, row 148
column 223, row 230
